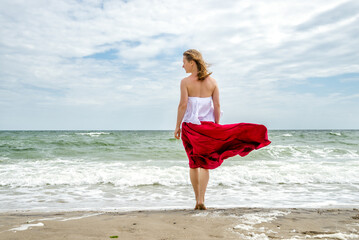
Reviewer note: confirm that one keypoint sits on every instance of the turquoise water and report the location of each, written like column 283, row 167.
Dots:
column 112, row 170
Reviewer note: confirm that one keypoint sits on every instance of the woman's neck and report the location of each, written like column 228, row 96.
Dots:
column 194, row 74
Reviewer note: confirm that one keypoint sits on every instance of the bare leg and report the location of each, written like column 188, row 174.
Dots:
column 199, row 179
column 194, row 175
column 203, row 181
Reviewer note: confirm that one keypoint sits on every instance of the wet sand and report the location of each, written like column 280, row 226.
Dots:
column 214, row 223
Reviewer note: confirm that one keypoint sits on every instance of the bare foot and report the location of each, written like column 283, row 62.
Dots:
column 196, row 206
column 201, row 206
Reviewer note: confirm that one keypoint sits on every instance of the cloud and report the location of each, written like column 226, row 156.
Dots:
column 123, row 59
column 334, row 15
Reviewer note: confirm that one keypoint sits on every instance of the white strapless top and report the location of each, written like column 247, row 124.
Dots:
column 199, row 109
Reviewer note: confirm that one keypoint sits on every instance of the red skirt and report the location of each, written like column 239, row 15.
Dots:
column 208, row 144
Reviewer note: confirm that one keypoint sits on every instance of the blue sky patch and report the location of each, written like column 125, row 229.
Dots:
column 106, row 55
column 345, row 84
column 51, row 91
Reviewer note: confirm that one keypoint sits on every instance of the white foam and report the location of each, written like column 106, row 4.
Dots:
column 287, row 135
column 339, row 235
column 26, row 226
column 243, row 227
column 67, row 219
column 80, row 172
column 260, row 217
column 76, row 172
column 93, row 134
column 208, row 214
column 248, row 222
column 296, row 237
column 62, row 183
column 310, row 152
column 253, row 236
column 336, row 133
column 200, row 214
column 73, row 183
column 40, row 224
column 80, row 217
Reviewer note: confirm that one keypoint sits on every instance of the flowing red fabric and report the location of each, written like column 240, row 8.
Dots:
column 208, row 144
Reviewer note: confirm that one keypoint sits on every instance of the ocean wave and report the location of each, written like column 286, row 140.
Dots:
column 9, row 147
column 80, row 143
column 335, row 133
column 307, row 152
column 120, row 174
column 287, row 135
column 93, row 134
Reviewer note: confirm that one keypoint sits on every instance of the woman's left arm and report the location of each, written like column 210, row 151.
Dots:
column 182, row 106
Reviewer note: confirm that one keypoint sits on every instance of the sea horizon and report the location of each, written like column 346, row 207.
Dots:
column 269, row 129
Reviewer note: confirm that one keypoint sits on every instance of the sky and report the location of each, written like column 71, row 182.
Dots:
column 117, row 65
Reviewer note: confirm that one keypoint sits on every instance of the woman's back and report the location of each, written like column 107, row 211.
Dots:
column 205, row 88
column 201, row 104
column 201, row 89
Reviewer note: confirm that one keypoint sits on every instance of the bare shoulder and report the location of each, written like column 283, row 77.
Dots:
column 184, row 81
column 212, row 80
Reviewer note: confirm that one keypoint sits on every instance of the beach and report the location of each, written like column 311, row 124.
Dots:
column 214, row 223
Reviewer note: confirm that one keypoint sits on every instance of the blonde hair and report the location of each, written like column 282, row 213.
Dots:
column 196, row 56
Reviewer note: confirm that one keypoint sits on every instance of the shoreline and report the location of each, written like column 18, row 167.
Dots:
column 167, row 209
column 213, row 223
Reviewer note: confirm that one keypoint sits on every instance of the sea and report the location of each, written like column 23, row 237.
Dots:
column 146, row 170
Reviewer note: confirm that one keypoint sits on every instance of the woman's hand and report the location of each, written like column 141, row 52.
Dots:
column 177, row 133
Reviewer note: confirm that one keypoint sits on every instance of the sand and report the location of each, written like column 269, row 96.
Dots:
column 214, row 223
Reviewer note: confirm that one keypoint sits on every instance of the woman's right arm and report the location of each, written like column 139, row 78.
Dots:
column 216, row 105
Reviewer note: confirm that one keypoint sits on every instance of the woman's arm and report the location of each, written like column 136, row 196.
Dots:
column 216, row 105
column 182, row 106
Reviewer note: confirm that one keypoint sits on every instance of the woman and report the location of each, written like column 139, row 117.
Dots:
column 208, row 143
